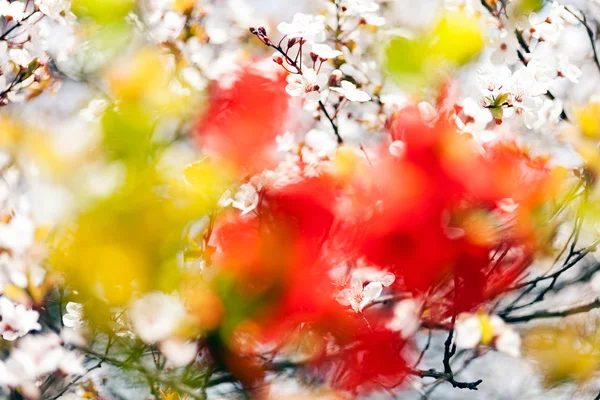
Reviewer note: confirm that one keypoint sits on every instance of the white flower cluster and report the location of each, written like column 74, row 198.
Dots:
column 155, row 319
column 531, row 71
column 25, row 39
column 473, row 330
column 35, row 357
column 530, row 65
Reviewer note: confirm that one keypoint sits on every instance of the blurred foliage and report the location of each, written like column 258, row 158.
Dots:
column 526, row 7
column 424, row 59
column 129, row 242
column 563, row 353
column 102, row 11
column 587, row 118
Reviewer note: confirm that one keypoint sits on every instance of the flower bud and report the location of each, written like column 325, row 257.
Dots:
column 277, row 59
column 335, row 78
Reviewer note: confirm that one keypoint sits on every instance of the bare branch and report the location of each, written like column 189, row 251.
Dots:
column 563, row 312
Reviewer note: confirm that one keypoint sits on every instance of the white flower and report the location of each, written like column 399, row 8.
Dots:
column 481, row 329
column 566, row 69
column 507, row 205
column 94, row 110
column 493, row 81
column 155, row 316
column 37, row 356
column 75, row 337
column 309, row 83
column 370, row 274
column 549, row 26
column 427, row 111
column 14, row 9
column 397, row 148
column 350, row 92
column 17, row 320
column 361, row 7
column 246, row 199
column 476, row 117
column 170, row 27
column 468, row 332
column 179, row 352
column 71, row 363
column 322, row 144
column 306, row 26
column 74, row 316
column 406, row 318
column 358, row 297
column 504, row 48
column 509, row 342
column 286, row 142
column 529, row 84
column 20, row 57
column 194, row 78
column 18, row 234
column 325, row 52
column 55, row 9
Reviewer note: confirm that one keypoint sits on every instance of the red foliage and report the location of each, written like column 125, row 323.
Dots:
column 439, row 217
column 244, row 116
column 374, row 360
column 430, row 216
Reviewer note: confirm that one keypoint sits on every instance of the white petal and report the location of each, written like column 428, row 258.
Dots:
column 343, row 297
column 295, row 89
column 468, row 333
column 179, row 352
column 509, row 342
column 372, row 290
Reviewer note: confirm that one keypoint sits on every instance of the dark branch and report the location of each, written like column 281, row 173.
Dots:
column 564, row 312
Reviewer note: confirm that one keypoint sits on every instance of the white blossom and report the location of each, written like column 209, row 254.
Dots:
column 307, row 85
column 156, row 316
column 58, row 10
column 18, row 234
column 320, row 144
column 21, row 57
column 35, row 357
column 306, row 26
column 179, row 352
column 286, row 142
column 357, row 296
column 350, row 92
column 477, row 117
column 17, row 320
column 73, row 318
column 325, row 52
column 505, row 48
column 474, row 330
column 13, row 9
column 406, row 319
column 245, row 200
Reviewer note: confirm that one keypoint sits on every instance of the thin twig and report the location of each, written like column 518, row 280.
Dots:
column 564, row 312
column 431, row 373
column 590, row 33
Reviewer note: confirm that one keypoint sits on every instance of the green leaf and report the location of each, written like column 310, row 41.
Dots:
column 501, row 99
column 497, row 112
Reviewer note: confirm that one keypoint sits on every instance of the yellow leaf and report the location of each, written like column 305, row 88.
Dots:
column 588, row 119
column 457, row 38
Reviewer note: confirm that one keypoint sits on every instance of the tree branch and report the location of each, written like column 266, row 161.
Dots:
column 431, row 373
column 563, row 312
